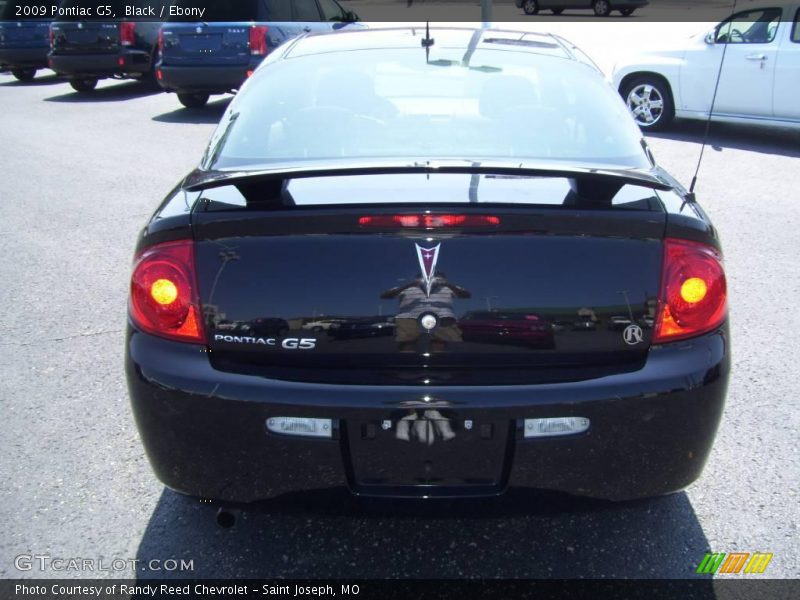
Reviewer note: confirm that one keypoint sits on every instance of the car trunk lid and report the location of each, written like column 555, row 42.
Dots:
column 341, row 294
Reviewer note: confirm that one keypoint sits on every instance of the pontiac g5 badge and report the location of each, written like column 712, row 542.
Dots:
column 427, row 264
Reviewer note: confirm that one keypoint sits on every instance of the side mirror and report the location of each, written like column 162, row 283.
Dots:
column 711, row 37
column 350, row 16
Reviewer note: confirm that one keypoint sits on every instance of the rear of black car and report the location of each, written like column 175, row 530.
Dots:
column 217, row 54
column 474, row 304
column 106, row 43
column 24, row 37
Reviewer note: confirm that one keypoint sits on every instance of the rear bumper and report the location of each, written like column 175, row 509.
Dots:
column 204, row 430
column 11, row 58
column 132, row 63
column 201, row 79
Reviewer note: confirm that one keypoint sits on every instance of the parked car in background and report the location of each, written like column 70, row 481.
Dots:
column 216, row 55
column 602, row 8
column 759, row 81
column 362, row 327
column 318, row 325
column 89, row 50
column 24, row 37
column 502, row 327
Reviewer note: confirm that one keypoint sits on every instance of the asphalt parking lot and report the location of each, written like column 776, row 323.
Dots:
column 80, row 174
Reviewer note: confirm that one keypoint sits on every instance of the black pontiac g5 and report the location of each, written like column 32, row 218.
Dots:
column 403, row 180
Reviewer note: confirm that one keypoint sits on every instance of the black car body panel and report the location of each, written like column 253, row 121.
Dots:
column 461, row 300
column 204, row 429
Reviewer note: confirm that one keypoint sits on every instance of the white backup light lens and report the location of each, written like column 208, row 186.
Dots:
column 322, row 428
column 555, row 426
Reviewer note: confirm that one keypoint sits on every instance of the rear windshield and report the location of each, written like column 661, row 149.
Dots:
column 496, row 103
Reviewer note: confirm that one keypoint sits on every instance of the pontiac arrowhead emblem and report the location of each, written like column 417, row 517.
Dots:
column 427, row 264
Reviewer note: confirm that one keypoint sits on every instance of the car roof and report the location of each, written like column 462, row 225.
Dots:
column 450, row 37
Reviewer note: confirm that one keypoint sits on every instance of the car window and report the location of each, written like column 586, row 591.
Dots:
column 306, row 10
column 396, row 103
column 750, row 27
column 331, row 11
column 796, row 28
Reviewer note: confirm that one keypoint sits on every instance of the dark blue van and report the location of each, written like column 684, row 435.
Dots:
column 24, row 37
column 214, row 53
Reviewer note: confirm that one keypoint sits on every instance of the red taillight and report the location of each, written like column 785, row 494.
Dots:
column 427, row 221
column 258, row 40
column 159, row 74
column 693, row 298
column 127, row 33
column 164, row 293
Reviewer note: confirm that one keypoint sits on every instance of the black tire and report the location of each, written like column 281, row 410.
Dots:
column 24, row 74
column 626, row 12
column 83, row 85
column 193, row 100
column 602, row 8
column 531, row 7
column 558, row 11
column 661, row 116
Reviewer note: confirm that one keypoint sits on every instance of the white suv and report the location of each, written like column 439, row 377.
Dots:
column 759, row 82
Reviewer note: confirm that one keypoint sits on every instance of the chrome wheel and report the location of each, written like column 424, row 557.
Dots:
column 646, row 104
column 531, row 7
column 601, row 8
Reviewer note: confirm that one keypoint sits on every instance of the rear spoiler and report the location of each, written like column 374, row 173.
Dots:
column 268, row 187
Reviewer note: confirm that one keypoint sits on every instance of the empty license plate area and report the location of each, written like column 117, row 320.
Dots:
column 201, row 42
column 428, row 447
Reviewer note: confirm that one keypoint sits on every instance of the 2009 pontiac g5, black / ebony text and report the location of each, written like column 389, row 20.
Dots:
column 506, row 290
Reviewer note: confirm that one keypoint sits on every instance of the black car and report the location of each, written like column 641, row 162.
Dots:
column 362, row 327
column 216, row 55
column 24, row 37
column 89, row 49
column 347, row 177
column 602, row 8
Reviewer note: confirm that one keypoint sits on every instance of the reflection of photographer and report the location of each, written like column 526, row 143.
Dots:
column 414, row 301
column 424, row 427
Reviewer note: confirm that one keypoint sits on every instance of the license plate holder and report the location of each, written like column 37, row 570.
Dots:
column 429, row 448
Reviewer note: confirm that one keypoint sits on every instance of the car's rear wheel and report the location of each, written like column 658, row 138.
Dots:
column 24, row 74
column 626, row 12
column 531, row 7
column 649, row 100
column 83, row 85
column 558, row 11
column 193, row 100
column 602, row 8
